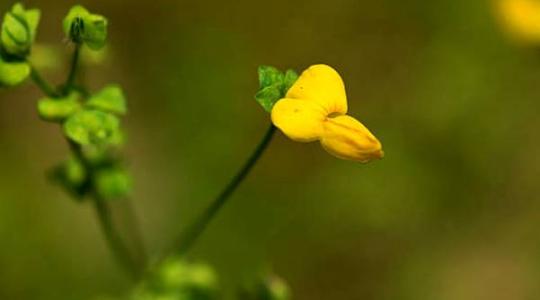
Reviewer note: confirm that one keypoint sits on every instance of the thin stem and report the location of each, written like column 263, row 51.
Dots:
column 193, row 232
column 113, row 238
column 42, row 84
column 73, row 70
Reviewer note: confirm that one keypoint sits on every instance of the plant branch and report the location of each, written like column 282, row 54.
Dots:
column 190, row 236
column 70, row 81
column 41, row 83
column 102, row 208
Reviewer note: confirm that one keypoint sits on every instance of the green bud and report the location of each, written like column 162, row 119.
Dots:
column 273, row 85
column 19, row 30
column 91, row 127
column 81, row 26
column 13, row 73
column 113, row 183
column 110, row 99
column 58, row 109
column 178, row 276
column 71, row 175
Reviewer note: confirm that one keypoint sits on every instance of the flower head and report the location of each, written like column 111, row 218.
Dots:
column 315, row 109
column 521, row 19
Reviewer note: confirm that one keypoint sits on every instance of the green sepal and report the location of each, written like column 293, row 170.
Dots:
column 110, row 99
column 91, row 127
column 58, row 109
column 81, row 26
column 112, row 183
column 19, row 29
column 273, row 85
column 72, row 176
column 13, row 73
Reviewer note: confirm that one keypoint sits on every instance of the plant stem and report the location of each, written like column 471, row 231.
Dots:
column 102, row 208
column 42, row 84
column 73, row 70
column 190, row 236
column 113, row 238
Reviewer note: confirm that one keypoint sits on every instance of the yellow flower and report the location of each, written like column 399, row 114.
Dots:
column 521, row 19
column 315, row 109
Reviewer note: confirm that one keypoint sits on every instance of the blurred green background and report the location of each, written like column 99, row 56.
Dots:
column 451, row 212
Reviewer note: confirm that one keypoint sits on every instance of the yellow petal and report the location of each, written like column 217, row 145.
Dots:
column 347, row 138
column 322, row 84
column 521, row 19
column 300, row 120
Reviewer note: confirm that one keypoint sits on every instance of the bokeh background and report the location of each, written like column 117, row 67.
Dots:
column 451, row 212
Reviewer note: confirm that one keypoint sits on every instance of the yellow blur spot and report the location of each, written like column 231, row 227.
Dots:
column 315, row 108
column 521, row 19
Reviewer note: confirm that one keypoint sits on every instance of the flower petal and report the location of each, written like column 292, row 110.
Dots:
column 300, row 120
column 521, row 19
column 321, row 83
column 347, row 138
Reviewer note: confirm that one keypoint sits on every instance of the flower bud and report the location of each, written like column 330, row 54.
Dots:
column 196, row 279
column 81, row 26
column 13, row 73
column 19, row 30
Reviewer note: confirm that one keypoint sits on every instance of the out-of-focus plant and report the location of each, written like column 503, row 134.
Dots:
column 520, row 19
column 90, row 121
column 306, row 108
column 268, row 286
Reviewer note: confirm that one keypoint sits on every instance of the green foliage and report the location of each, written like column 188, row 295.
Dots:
column 110, row 99
column 178, row 279
column 273, row 85
column 91, row 127
column 81, row 26
column 269, row 287
column 13, row 73
column 18, row 31
column 112, row 183
column 59, row 109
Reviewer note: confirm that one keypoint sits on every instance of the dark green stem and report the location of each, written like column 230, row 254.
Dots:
column 193, row 232
column 70, row 81
column 114, row 240
column 112, row 236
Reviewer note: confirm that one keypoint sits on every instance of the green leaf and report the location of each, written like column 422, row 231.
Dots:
column 268, row 76
column 81, row 26
column 273, row 85
column 58, row 109
column 110, row 99
column 91, row 127
column 113, row 183
column 290, row 78
column 14, row 73
column 19, row 30
column 269, row 95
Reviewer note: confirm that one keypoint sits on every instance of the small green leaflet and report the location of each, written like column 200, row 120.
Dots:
column 273, row 85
